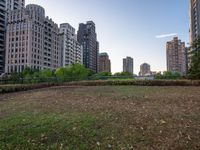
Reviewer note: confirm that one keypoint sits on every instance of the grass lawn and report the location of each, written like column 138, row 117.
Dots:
column 98, row 118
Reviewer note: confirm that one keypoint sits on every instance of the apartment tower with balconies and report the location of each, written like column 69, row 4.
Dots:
column 32, row 40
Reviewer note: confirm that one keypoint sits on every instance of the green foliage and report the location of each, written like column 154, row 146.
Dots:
column 123, row 75
column 102, row 76
column 168, row 75
column 15, row 77
column 71, row 73
column 194, row 70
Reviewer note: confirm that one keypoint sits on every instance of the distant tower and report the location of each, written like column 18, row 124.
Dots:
column 128, row 65
column 176, row 56
column 87, row 37
column 145, row 70
column 104, row 63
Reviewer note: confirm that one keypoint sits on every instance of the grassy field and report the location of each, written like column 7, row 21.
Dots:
column 98, row 118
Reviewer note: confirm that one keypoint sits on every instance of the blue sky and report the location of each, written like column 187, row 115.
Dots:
column 126, row 27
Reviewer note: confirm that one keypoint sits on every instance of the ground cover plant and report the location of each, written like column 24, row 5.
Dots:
column 101, row 117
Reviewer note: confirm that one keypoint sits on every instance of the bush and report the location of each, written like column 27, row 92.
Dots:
column 168, row 75
column 136, row 83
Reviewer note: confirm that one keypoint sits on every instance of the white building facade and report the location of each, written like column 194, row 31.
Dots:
column 32, row 40
column 71, row 50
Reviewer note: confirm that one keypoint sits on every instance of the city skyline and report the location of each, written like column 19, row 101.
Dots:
column 127, row 28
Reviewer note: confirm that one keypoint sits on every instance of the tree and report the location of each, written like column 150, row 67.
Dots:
column 102, row 75
column 78, row 72
column 15, row 77
column 44, row 75
column 123, row 74
column 168, row 75
column 61, row 73
column 71, row 73
column 194, row 70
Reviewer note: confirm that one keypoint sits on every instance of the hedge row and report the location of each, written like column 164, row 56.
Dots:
column 23, row 87
column 137, row 83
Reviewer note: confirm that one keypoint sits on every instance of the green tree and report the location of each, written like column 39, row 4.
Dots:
column 71, row 73
column 45, row 75
column 78, row 72
column 15, row 77
column 61, row 73
column 168, row 75
column 194, row 70
column 123, row 74
column 159, row 76
column 102, row 75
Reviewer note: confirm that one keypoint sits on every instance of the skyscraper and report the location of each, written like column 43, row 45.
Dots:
column 176, row 56
column 145, row 70
column 128, row 65
column 194, row 11
column 87, row 37
column 104, row 63
column 71, row 49
column 5, row 7
column 32, row 40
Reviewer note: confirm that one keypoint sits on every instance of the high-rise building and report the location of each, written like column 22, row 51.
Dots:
column 5, row 7
column 194, row 16
column 128, row 65
column 71, row 49
column 32, row 40
column 104, row 63
column 145, row 70
column 176, row 56
column 194, row 11
column 14, row 4
column 87, row 37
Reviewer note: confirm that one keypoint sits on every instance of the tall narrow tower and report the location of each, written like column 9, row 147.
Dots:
column 87, row 37
column 128, row 65
column 5, row 7
column 194, row 13
column 176, row 56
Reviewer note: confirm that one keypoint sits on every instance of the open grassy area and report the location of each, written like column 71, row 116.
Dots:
column 105, row 117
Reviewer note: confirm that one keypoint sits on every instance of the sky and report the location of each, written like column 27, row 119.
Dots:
column 135, row 28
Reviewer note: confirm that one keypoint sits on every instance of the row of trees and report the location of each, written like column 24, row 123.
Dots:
column 75, row 72
column 168, row 75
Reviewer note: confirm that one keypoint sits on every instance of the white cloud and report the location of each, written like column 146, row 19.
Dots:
column 166, row 35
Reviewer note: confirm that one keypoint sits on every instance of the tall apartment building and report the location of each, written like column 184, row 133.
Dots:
column 71, row 49
column 14, row 4
column 128, row 65
column 104, row 63
column 32, row 40
column 176, row 56
column 5, row 7
column 87, row 37
column 194, row 11
column 145, row 69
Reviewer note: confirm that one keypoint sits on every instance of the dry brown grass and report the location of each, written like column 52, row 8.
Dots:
column 130, row 117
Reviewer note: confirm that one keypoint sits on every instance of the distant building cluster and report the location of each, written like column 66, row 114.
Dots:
column 176, row 56
column 29, row 38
